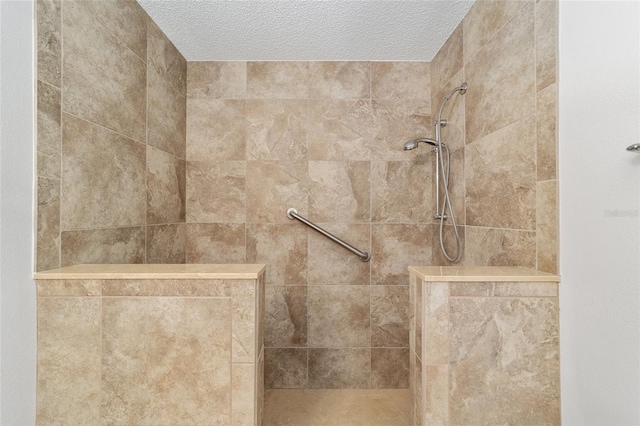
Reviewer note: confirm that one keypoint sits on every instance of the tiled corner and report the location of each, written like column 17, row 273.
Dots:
column 217, row 80
column 166, row 187
column 448, row 61
column 166, row 116
column 165, row 59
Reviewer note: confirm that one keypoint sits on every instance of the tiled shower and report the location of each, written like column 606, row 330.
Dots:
column 144, row 157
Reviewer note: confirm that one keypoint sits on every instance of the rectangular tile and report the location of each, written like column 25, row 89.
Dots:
column 547, row 226
column 166, row 116
column 339, row 79
column 215, row 243
column 78, row 288
column 49, row 131
column 436, row 395
column 547, row 133
column 166, row 187
column 49, row 50
column 278, row 80
column 504, row 289
column 285, row 368
column 166, row 243
column 243, row 394
column 112, row 245
column 165, row 59
column 285, row 318
column 48, row 224
column 217, row 80
column 390, row 368
column 400, row 80
column 390, row 316
column 225, row 204
column 499, row 247
column 170, row 288
column 435, row 323
column 243, row 329
column 546, row 43
column 339, row 368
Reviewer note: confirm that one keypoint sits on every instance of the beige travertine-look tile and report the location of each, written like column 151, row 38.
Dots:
column 285, row 368
column 115, row 95
column 503, row 352
column 400, row 192
column 547, row 133
column 217, row 80
column 418, row 318
column 166, row 243
column 49, row 50
column 338, row 316
column 273, row 187
column 285, row 316
column 110, row 245
column 502, row 76
column 215, row 243
column 346, row 268
column 155, row 351
column 339, row 80
column 500, row 175
column 339, row 368
column 48, row 227
column 499, row 247
column 278, row 80
column 243, row 394
column 339, row 191
column 49, row 131
column 216, row 129
column 401, row 80
column 546, row 42
column 165, row 59
column 281, row 246
column 103, row 177
column 170, row 287
column 216, row 192
column 397, row 121
column 547, row 226
column 389, row 368
column 69, row 287
column 68, row 383
column 418, row 392
column 503, row 289
column 436, row 395
column 277, row 129
column 340, row 129
column 166, row 187
column 390, row 316
column 244, row 311
column 166, row 116
column 448, row 61
column 435, row 323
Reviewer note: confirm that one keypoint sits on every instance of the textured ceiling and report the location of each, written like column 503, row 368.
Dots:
column 215, row 30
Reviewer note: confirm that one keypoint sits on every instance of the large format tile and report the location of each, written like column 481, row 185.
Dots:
column 277, row 129
column 49, row 50
column 504, row 352
column 347, row 368
column 243, row 394
column 546, row 42
column 217, row 80
column 103, row 177
column 499, row 247
column 436, row 394
column 339, row 316
column 216, row 192
column 285, row 319
column 500, row 175
column 104, row 81
column 396, row 246
column 281, row 246
column 166, row 243
column 216, row 129
column 448, row 61
column 547, row 133
column 166, row 187
column 339, row 191
column 339, row 80
column 285, row 368
column 187, row 341
column 340, row 129
column 48, row 230
column 390, row 316
column 215, row 243
column 244, row 313
column 166, row 116
column 400, row 80
column 547, row 226
column 502, row 76
column 390, row 368
column 111, row 245
column 49, row 131
column 278, row 80
column 396, row 122
column 165, row 59
column 69, row 374
column 435, row 323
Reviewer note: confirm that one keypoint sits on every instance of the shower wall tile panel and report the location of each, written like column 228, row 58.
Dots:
column 166, row 243
column 165, row 59
column 401, row 80
column 166, row 187
column 107, row 245
column 48, row 224
column 499, row 247
column 339, row 80
column 49, row 48
column 217, row 80
column 546, row 132
column 446, row 63
column 547, row 226
column 216, row 243
column 546, row 43
column 278, row 80
column 49, row 131
column 166, row 116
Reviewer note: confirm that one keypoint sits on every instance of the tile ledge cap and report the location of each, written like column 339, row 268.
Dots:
column 153, row 271
column 482, row 273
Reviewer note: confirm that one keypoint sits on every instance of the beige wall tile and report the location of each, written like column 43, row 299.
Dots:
column 435, row 324
column 547, row 133
column 449, row 244
column 194, row 367
column 436, row 394
column 339, row 80
column 400, row 80
column 166, row 116
column 68, row 382
column 111, row 245
column 546, row 42
column 346, row 268
column 278, row 80
column 48, row 225
column 103, row 177
column 243, row 394
column 526, row 289
column 69, row 288
column 273, row 187
column 217, row 80
column 339, row 316
column 547, row 226
column 493, row 342
column 339, row 191
column 398, row 121
column 502, row 76
column 285, row 368
column 500, row 175
column 418, row 392
column 285, row 316
column 390, row 316
column 499, row 247
column 113, row 97
column 447, row 62
column 167, row 61
column 390, row 368
column 402, row 191
column 166, row 187
column 396, row 246
column 340, row 129
column 215, row 243
column 216, row 192
column 166, row 243
column 281, row 246
column 49, row 49
column 49, row 131
column 216, row 129
column 347, row 368
column 277, row 129
column 419, row 319
column 243, row 330
column 170, row 288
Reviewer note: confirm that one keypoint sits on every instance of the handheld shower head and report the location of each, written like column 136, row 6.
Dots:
column 413, row 143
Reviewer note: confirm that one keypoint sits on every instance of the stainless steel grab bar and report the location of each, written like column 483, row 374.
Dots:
column 365, row 256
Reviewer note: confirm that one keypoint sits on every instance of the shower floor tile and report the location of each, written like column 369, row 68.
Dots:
column 337, row 407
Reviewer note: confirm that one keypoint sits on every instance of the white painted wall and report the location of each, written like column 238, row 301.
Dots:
column 599, row 117
column 17, row 290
